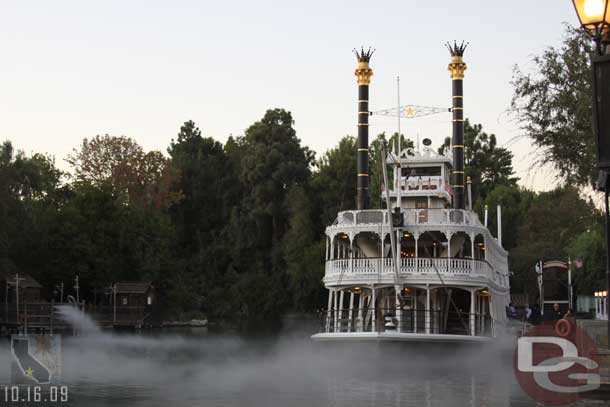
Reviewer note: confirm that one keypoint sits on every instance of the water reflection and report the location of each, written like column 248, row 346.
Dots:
column 175, row 370
column 454, row 387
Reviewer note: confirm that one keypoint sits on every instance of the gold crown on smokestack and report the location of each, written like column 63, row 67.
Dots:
column 364, row 56
column 457, row 65
column 363, row 71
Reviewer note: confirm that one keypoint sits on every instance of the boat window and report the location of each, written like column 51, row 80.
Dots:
column 421, row 203
column 422, row 172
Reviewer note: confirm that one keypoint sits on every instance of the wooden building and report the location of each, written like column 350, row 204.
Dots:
column 133, row 305
column 30, row 291
column 134, row 294
column 20, row 296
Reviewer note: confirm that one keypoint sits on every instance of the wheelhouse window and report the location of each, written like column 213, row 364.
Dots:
column 422, row 172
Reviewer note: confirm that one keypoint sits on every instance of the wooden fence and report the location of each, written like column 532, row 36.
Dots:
column 31, row 317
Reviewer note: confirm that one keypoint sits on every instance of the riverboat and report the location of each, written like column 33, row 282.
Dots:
column 423, row 268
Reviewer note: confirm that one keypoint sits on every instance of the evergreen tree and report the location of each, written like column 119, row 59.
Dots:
column 304, row 248
column 272, row 162
column 485, row 163
column 334, row 181
column 210, row 188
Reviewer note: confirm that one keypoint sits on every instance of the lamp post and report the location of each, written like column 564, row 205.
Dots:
column 594, row 16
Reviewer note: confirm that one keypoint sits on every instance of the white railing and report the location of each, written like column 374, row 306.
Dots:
column 366, row 217
column 411, row 217
column 417, row 185
column 440, row 217
column 373, row 267
column 422, row 184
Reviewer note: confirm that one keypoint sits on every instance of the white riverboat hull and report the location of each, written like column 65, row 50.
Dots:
column 398, row 337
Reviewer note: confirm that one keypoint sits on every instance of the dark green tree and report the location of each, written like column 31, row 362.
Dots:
column 590, row 247
column 208, row 184
column 549, row 226
column 304, row 252
column 334, row 181
column 210, row 188
column 30, row 192
column 513, row 201
column 103, row 241
column 485, row 163
column 553, row 105
column 272, row 163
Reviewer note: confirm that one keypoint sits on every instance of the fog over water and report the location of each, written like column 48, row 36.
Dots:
column 197, row 368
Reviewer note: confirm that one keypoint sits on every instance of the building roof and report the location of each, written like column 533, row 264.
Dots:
column 25, row 280
column 133, row 288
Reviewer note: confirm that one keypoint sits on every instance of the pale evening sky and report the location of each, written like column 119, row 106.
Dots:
column 74, row 69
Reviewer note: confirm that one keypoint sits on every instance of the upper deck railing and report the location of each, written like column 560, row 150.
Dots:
column 411, row 217
column 365, row 269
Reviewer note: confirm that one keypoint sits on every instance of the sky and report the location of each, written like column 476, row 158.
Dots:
column 74, row 69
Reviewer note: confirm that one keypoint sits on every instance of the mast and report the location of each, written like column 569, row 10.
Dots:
column 397, row 169
column 393, row 245
column 397, row 143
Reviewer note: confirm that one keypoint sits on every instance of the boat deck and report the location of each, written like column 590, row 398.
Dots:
column 399, row 337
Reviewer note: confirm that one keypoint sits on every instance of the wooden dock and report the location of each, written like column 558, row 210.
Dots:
column 121, row 316
column 32, row 317
column 45, row 317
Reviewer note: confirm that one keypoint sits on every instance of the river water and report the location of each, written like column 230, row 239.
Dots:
column 201, row 368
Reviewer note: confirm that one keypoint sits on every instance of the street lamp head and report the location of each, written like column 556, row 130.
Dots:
column 594, row 16
column 592, row 13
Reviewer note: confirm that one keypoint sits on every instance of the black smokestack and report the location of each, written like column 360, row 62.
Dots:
column 457, row 68
column 363, row 73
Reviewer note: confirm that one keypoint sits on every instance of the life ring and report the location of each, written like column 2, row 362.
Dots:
column 563, row 328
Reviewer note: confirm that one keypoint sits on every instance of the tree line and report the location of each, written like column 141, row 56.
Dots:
column 237, row 229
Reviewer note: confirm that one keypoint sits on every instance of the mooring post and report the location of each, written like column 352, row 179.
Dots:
column 6, row 303
column 17, row 295
column 52, row 311
column 114, row 304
